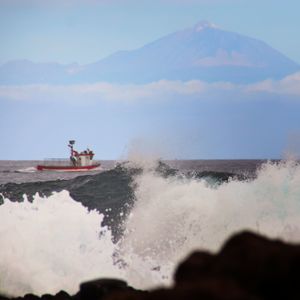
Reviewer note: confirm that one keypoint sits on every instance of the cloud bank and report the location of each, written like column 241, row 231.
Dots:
column 289, row 85
column 162, row 90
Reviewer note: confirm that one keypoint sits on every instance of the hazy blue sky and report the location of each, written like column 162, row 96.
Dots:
column 85, row 31
column 170, row 119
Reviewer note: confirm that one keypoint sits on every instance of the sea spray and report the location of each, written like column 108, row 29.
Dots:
column 173, row 216
column 55, row 243
column 52, row 244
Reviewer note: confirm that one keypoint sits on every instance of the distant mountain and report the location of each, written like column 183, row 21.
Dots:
column 203, row 52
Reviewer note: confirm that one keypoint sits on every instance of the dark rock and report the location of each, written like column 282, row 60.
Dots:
column 195, row 267
column 248, row 266
column 98, row 289
column 266, row 268
column 62, row 295
column 206, row 290
column 269, row 268
column 31, row 297
column 47, row 297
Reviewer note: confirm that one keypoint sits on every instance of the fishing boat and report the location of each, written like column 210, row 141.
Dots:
column 78, row 161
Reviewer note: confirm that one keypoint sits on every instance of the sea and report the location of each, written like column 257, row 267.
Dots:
column 134, row 220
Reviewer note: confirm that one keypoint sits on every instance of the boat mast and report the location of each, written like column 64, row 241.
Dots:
column 71, row 143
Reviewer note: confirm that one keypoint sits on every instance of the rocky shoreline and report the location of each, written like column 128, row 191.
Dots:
column 248, row 267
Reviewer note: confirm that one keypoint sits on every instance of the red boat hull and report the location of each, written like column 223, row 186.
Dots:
column 67, row 168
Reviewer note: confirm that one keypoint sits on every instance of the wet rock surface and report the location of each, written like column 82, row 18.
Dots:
column 248, row 267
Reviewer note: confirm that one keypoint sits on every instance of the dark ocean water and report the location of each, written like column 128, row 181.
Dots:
column 112, row 187
column 134, row 220
column 24, row 171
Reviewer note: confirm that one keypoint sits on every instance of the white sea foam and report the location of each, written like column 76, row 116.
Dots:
column 172, row 217
column 52, row 244
column 55, row 243
column 27, row 170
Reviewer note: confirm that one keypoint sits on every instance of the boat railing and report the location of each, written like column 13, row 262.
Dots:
column 57, row 161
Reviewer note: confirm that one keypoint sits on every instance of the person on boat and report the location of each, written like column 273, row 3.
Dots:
column 73, row 160
column 91, row 153
column 74, row 153
column 74, row 157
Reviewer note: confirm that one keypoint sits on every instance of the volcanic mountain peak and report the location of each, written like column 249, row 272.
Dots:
column 202, row 52
column 203, row 25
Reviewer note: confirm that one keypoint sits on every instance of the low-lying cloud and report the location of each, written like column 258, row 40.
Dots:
column 163, row 90
column 289, row 85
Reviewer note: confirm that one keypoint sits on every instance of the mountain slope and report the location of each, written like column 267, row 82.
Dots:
column 202, row 52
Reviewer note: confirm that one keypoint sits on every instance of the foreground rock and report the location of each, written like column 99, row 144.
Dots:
column 248, row 267
column 259, row 267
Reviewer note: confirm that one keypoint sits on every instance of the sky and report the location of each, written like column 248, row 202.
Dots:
column 183, row 120
column 168, row 119
column 85, row 31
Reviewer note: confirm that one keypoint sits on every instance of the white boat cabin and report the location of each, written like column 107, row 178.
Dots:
column 81, row 159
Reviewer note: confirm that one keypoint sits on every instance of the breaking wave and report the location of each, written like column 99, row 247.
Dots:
column 55, row 242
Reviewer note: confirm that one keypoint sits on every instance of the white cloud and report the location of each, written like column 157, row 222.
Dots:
column 102, row 91
column 289, row 85
column 163, row 90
